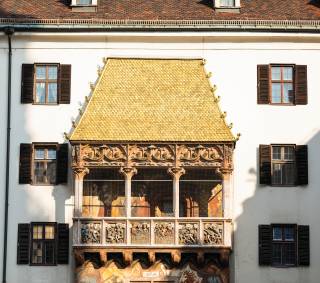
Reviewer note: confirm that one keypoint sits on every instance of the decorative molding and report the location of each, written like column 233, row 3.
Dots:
column 164, row 232
column 115, row 233
column 213, row 233
column 140, row 233
column 80, row 172
column 188, row 233
column 139, row 155
column 90, row 233
column 128, row 172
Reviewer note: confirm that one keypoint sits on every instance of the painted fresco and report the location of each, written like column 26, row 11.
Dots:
column 158, row 272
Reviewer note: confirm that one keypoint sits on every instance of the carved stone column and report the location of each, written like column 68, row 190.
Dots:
column 176, row 173
column 128, row 172
column 227, row 193
column 79, row 173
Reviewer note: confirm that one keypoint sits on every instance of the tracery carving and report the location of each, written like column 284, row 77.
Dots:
column 188, row 233
column 90, row 233
column 140, row 232
column 164, row 232
column 213, row 233
column 115, row 233
column 170, row 155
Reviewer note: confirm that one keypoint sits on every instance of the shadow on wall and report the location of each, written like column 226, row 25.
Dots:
column 283, row 205
column 315, row 3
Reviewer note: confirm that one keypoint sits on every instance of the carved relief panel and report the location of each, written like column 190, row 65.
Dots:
column 140, row 232
column 90, row 233
column 164, row 232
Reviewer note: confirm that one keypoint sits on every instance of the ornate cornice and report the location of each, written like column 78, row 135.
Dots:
column 153, row 155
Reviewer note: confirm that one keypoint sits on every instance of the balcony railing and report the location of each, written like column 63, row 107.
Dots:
column 152, row 232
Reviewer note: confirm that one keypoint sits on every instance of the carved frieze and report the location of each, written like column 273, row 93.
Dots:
column 170, row 155
column 140, row 232
column 115, row 233
column 188, row 233
column 164, row 232
column 90, row 233
column 213, row 233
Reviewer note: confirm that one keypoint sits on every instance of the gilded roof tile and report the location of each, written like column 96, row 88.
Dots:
column 152, row 100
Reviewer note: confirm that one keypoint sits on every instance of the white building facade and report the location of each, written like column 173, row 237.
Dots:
column 233, row 55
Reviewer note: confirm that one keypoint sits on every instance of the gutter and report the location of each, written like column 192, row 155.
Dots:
column 9, row 31
column 105, row 25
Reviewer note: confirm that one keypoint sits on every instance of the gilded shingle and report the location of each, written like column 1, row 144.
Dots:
column 152, row 100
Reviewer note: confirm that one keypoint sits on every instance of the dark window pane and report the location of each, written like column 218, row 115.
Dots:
column 276, row 152
column 39, row 172
column 51, row 172
column 289, row 153
column 289, row 233
column 49, row 252
column 289, row 254
column 288, row 174
column 276, row 174
column 276, row 254
column 37, row 252
column 277, row 233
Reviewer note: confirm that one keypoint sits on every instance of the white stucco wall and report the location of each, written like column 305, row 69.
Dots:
column 233, row 61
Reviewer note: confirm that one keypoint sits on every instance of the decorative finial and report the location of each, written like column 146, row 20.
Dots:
column 213, row 88
column 104, row 60
column 99, row 71
column 217, row 99
column 86, row 98
column 80, row 111
column 92, row 86
column 230, row 126
column 224, row 114
column 209, row 75
column 204, row 61
column 74, row 123
column 66, row 136
column 238, row 136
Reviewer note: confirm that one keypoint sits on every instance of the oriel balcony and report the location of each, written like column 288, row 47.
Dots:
column 153, row 208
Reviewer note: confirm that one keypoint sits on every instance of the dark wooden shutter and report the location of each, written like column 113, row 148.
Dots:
column 301, row 85
column 302, row 164
column 265, row 164
column 27, row 78
column 263, row 84
column 25, row 163
column 303, row 245
column 63, row 244
column 23, row 244
column 62, row 163
column 265, row 245
column 65, row 84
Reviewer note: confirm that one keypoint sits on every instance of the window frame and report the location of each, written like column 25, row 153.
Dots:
column 281, row 83
column 232, row 6
column 43, row 240
column 46, row 81
column 282, row 161
column 283, row 242
column 46, row 146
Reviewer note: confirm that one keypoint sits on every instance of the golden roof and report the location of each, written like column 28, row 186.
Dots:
column 152, row 100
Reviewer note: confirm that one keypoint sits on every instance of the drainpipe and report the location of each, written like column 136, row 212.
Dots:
column 9, row 31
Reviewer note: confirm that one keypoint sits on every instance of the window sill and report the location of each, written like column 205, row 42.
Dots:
column 227, row 10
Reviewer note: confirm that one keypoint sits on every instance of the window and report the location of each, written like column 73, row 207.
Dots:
column 283, row 245
column 44, row 165
column 282, row 84
column 46, row 84
column 227, row 3
column 283, row 165
column 43, row 244
column 84, row 2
